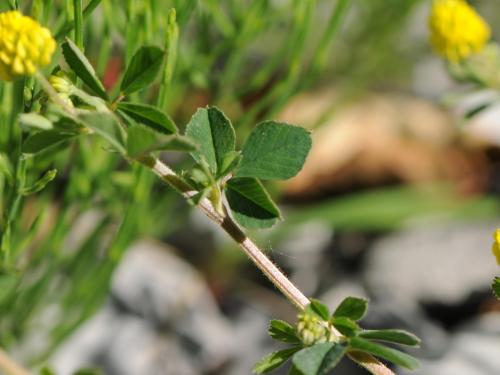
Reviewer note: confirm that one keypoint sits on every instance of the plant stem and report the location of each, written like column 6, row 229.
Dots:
column 13, row 131
column 272, row 272
column 230, row 227
column 68, row 26
column 169, row 64
column 78, row 21
column 9, row 366
column 13, row 146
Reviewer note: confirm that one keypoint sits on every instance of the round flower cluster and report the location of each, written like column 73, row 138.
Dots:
column 456, row 29
column 24, row 45
column 496, row 245
column 310, row 329
column 63, row 86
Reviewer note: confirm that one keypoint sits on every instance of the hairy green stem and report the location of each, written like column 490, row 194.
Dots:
column 272, row 272
column 232, row 229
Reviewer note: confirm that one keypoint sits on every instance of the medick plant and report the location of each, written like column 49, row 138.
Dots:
column 224, row 183
column 462, row 37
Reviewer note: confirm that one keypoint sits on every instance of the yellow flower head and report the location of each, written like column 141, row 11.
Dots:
column 496, row 245
column 24, row 45
column 456, row 29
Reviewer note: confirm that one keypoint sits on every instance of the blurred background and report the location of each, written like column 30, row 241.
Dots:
column 397, row 201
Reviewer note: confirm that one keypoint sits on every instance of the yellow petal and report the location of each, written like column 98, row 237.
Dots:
column 495, row 249
column 496, row 236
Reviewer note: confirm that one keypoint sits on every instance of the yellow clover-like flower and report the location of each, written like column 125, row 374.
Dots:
column 496, row 245
column 456, row 29
column 24, row 45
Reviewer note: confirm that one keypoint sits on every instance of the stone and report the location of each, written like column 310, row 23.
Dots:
column 160, row 319
column 440, row 263
column 473, row 350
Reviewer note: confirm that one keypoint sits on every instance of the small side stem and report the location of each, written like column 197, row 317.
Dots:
column 9, row 366
column 13, row 131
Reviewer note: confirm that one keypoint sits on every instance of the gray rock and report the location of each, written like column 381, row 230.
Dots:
column 344, row 288
column 250, row 332
column 473, row 351
column 89, row 343
column 140, row 348
column 161, row 319
column 153, row 283
column 443, row 263
column 302, row 251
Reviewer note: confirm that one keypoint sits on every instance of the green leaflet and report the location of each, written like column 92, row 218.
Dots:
column 250, row 203
column 82, row 67
column 214, row 134
column 274, row 151
column 143, row 69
